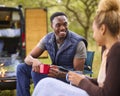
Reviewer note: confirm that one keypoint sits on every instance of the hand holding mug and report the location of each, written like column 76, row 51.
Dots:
column 53, row 72
column 44, row 68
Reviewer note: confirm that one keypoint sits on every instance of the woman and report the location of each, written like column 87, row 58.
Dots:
column 106, row 28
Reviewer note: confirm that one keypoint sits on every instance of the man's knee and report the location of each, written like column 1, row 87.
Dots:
column 20, row 67
column 23, row 68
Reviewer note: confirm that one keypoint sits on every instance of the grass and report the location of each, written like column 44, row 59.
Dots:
column 96, row 65
column 7, row 93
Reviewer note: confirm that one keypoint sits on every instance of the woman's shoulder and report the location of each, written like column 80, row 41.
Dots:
column 115, row 49
column 116, row 45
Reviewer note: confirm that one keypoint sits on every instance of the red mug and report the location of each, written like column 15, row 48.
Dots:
column 44, row 68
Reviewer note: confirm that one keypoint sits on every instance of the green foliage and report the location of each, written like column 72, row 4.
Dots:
column 8, row 93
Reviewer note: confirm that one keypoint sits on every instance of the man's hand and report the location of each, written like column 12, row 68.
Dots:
column 56, row 73
column 29, row 60
column 36, row 65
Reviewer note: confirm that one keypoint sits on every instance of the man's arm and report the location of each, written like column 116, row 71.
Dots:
column 80, row 56
column 34, row 54
column 79, row 64
column 31, row 59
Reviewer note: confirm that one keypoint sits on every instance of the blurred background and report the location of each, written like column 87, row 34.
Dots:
column 80, row 14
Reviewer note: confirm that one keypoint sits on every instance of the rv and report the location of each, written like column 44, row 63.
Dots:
column 12, row 35
column 18, row 36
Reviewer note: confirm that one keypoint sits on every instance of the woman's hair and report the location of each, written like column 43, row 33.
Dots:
column 108, row 13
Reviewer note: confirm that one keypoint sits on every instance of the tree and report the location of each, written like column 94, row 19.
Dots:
column 79, row 12
column 87, row 9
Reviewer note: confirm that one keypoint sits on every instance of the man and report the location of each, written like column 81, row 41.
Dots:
column 65, row 48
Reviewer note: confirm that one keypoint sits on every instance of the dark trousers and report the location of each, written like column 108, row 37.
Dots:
column 24, row 75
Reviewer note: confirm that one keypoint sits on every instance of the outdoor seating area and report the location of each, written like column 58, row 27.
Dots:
column 39, row 33
column 8, row 82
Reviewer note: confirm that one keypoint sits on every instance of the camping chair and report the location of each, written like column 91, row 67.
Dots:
column 88, row 63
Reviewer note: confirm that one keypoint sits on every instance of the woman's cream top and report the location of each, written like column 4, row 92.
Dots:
column 102, row 72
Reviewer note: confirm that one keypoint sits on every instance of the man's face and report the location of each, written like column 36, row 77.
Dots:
column 60, row 26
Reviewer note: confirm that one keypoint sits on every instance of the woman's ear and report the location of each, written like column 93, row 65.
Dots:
column 103, row 29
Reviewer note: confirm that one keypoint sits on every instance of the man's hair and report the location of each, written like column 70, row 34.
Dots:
column 57, row 14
